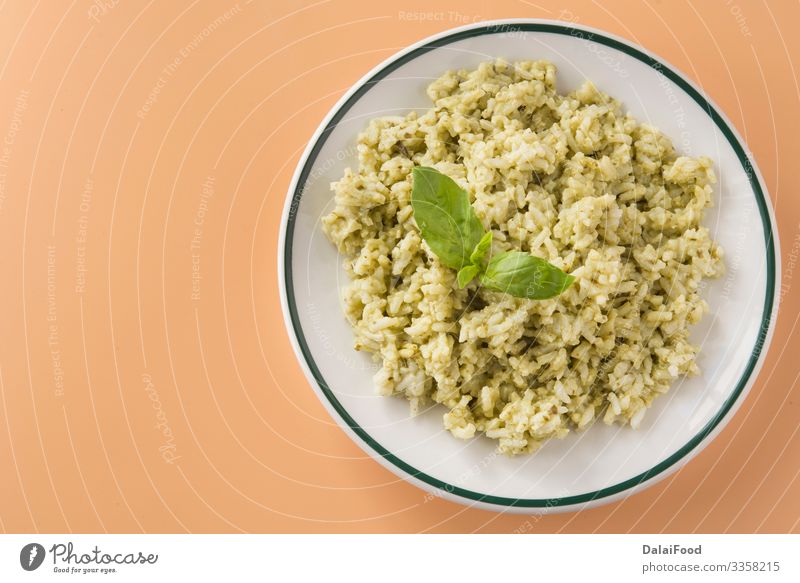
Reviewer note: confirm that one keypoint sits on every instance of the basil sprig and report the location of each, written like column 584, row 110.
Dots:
column 452, row 230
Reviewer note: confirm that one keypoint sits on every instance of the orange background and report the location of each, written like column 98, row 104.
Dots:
column 134, row 397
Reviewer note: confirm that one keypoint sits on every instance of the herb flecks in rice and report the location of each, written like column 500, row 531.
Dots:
column 569, row 178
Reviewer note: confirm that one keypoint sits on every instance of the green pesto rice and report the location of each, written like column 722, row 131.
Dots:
column 568, row 178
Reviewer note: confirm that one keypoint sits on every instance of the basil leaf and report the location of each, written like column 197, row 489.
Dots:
column 467, row 273
column 445, row 217
column 454, row 233
column 481, row 249
column 525, row 276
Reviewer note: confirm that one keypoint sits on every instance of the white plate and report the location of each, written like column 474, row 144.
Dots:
column 603, row 463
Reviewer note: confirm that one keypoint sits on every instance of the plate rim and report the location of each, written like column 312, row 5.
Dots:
column 462, row 495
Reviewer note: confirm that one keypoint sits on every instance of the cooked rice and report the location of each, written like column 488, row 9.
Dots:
column 568, row 178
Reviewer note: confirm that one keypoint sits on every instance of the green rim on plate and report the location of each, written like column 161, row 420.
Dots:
column 680, row 82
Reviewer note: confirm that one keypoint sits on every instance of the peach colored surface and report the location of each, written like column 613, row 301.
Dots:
column 146, row 378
